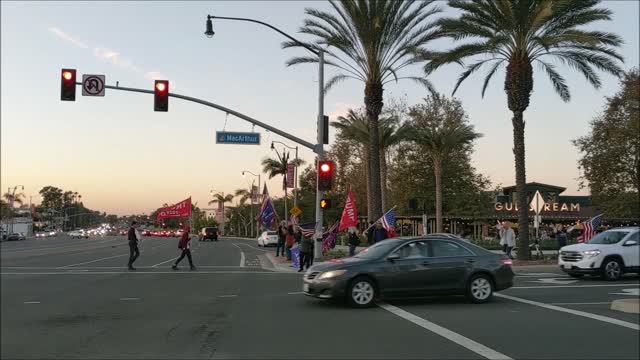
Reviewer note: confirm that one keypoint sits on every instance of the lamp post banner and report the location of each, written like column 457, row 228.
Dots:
column 291, row 171
column 181, row 209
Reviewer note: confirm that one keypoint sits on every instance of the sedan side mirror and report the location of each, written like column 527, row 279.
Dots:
column 630, row 243
column 393, row 257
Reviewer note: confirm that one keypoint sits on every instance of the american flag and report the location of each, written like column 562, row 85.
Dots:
column 308, row 229
column 389, row 219
column 329, row 238
column 590, row 227
column 294, row 220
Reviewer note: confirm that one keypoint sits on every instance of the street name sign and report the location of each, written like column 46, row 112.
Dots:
column 243, row 138
column 93, row 85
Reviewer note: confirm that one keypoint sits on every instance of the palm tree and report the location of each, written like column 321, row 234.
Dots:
column 279, row 166
column 14, row 198
column 370, row 41
column 439, row 139
column 221, row 199
column 520, row 33
column 354, row 127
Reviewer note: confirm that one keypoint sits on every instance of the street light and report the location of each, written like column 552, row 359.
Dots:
column 257, row 222
column 319, row 147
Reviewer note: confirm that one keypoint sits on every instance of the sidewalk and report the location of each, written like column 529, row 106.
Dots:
column 280, row 263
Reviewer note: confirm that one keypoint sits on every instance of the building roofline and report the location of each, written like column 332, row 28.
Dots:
column 562, row 189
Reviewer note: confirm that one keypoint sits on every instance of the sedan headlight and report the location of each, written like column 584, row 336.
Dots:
column 591, row 253
column 331, row 274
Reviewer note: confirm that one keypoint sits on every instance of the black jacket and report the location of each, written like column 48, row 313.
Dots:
column 353, row 239
column 132, row 235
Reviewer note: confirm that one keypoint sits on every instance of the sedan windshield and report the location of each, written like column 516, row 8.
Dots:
column 608, row 237
column 377, row 250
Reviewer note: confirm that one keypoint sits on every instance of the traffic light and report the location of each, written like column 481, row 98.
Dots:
column 161, row 95
column 68, row 85
column 325, row 172
column 325, row 203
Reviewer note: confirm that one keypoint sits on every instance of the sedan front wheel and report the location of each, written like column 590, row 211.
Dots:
column 361, row 292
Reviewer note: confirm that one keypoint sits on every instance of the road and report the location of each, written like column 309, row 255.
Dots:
column 74, row 299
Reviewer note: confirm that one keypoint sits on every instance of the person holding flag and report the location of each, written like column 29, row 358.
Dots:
column 354, row 240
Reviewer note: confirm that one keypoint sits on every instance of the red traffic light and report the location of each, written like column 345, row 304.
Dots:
column 68, row 85
column 161, row 86
column 67, row 75
column 325, row 167
column 326, row 171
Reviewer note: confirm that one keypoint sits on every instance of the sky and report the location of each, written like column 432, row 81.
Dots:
column 125, row 158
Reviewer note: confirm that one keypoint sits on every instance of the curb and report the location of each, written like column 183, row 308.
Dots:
column 631, row 306
column 277, row 266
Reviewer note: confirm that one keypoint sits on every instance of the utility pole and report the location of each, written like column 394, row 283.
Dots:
column 317, row 250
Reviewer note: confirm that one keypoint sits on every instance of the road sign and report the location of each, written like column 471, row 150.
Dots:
column 245, row 138
column 537, row 203
column 93, row 85
column 295, row 211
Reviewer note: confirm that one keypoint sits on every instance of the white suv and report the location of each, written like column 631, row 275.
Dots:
column 609, row 254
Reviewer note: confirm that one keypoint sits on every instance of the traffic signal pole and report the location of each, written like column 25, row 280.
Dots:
column 317, row 249
column 224, row 109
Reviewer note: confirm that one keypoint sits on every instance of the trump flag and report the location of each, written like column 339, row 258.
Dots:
column 349, row 214
column 181, row 209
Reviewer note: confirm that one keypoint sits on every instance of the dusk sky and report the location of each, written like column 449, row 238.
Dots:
column 125, row 158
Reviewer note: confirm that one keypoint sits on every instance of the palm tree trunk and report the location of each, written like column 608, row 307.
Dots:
column 373, row 104
column 437, row 170
column 383, row 180
column 521, row 181
column 368, row 183
column 518, row 85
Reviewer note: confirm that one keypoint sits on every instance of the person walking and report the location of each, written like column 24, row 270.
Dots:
column 281, row 235
column 507, row 238
column 354, row 241
column 134, row 252
column 306, row 253
column 289, row 241
column 379, row 233
column 186, row 249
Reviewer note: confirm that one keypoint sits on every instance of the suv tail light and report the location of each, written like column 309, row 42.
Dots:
column 506, row 261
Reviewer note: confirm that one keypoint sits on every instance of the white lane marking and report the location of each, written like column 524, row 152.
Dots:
column 585, row 303
column 241, row 255
column 129, row 299
column 571, row 286
column 227, row 296
column 555, row 281
column 78, row 270
column 92, row 261
column 251, row 246
column 445, row 333
column 32, row 302
column 147, row 272
column 164, row 262
column 574, row 312
column 537, row 274
column 632, row 292
column 295, row 292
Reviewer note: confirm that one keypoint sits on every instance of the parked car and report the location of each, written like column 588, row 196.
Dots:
column 16, row 237
column 268, row 238
column 77, row 234
column 609, row 254
column 411, row 266
column 209, row 233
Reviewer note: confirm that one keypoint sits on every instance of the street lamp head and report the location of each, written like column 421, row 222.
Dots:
column 272, row 147
column 209, row 31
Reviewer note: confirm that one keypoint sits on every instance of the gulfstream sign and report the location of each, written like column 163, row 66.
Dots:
column 246, row 138
column 547, row 207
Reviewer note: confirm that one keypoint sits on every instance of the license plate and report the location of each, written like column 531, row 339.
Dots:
column 566, row 266
column 305, row 287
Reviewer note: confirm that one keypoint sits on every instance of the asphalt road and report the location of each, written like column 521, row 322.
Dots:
column 74, row 299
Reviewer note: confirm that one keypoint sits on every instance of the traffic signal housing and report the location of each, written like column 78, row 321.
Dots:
column 325, row 203
column 68, row 85
column 161, row 95
column 326, row 170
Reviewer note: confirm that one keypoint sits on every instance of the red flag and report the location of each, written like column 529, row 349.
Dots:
column 181, row 209
column 291, row 175
column 349, row 214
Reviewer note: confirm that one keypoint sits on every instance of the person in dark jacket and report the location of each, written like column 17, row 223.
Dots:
column 379, row 233
column 370, row 233
column 306, row 253
column 281, row 235
column 354, row 241
column 134, row 252
column 185, row 247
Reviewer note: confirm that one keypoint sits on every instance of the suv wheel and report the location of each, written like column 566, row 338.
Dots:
column 480, row 289
column 361, row 292
column 612, row 269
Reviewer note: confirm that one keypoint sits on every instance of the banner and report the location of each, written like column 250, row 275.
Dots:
column 349, row 214
column 181, row 209
column 254, row 194
column 291, row 175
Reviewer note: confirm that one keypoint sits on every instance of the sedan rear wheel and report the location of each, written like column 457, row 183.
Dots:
column 361, row 292
column 480, row 289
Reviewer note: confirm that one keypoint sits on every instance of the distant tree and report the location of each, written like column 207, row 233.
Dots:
column 15, row 198
column 610, row 153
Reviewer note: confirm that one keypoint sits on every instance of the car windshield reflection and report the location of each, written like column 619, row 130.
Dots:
column 377, row 250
